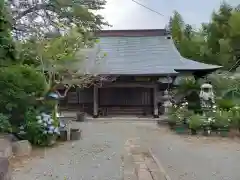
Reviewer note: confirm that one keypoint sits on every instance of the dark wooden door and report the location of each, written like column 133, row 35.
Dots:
column 125, row 97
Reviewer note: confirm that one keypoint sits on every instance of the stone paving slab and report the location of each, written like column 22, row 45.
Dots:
column 143, row 165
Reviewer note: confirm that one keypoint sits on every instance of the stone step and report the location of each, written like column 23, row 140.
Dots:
column 127, row 111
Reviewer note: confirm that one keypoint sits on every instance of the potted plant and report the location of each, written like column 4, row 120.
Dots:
column 181, row 126
column 195, row 123
column 80, row 116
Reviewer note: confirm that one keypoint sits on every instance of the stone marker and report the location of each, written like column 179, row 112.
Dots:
column 5, row 148
column 21, row 148
column 5, row 170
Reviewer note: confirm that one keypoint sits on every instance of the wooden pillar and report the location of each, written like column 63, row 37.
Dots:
column 95, row 101
column 155, row 103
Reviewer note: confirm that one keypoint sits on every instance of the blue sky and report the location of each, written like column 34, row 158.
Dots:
column 125, row 14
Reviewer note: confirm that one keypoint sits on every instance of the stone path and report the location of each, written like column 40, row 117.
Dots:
column 98, row 156
column 198, row 158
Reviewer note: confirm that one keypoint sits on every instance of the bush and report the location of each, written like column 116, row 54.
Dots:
column 20, row 85
column 5, row 126
column 225, row 104
column 39, row 128
column 222, row 119
column 235, row 119
column 222, row 82
column 195, row 122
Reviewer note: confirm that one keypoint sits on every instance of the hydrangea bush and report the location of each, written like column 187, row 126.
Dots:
column 40, row 128
column 47, row 124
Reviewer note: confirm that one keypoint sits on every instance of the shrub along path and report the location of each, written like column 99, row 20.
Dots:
column 198, row 158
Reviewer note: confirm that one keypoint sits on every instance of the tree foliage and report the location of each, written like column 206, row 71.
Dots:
column 20, row 85
column 51, row 16
column 7, row 49
column 216, row 42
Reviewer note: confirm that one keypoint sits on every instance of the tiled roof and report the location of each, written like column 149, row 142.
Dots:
column 143, row 55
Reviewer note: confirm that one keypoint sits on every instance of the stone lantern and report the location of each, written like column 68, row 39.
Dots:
column 206, row 96
column 166, row 101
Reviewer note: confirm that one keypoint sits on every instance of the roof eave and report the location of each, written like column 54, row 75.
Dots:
column 199, row 69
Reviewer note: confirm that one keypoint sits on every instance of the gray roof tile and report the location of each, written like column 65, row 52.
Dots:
column 144, row 55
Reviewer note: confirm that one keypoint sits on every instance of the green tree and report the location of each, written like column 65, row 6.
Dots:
column 64, row 59
column 47, row 16
column 216, row 42
column 7, row 48
column 20, row 86
column 176, row 26
column 234, row 23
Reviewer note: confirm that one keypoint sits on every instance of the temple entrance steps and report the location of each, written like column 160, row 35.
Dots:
column 123, row 111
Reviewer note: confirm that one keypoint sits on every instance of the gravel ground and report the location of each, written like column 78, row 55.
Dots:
column 98, row 156
column 198, row 158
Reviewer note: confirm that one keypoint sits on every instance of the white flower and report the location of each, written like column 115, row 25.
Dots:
column 209, row 119
column 45, row 119
column 38, row 117
column 43, row 114
column 51, row 127
column 44, row 132
column 51, row 120
column 186, row 103
column 214, row 107
column 214, row 111
column 21, row 127
column 50, row 132
column 40, row 121
column 45, row 124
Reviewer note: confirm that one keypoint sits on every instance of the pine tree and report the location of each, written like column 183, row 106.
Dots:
column 7, row 48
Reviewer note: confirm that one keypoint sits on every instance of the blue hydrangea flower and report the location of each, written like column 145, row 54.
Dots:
column 51, row 127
